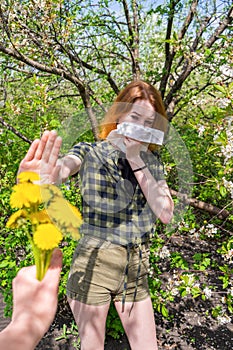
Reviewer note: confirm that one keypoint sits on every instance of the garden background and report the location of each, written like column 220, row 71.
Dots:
column 62, row 64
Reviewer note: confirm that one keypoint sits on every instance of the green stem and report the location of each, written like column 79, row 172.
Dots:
column 37, row 258
column 47, row 260
column 42, row 261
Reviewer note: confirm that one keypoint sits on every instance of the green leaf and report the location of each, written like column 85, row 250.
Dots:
column 4, row 264
column 164, row 311
column 223, row 191
column 220, row 88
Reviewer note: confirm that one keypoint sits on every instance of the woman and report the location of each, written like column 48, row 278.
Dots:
column 123, row 193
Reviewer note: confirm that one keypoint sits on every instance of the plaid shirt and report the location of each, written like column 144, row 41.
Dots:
column 114, row 206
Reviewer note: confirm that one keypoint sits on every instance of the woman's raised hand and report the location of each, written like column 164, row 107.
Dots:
column 42, row 157
column 133, row 148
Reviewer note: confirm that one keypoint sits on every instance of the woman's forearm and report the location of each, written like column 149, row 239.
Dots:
column 69, row 165
column 156, row 192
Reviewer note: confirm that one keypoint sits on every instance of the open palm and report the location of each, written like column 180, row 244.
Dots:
column 42, row 157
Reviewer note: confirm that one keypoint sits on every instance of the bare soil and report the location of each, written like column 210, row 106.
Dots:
column 190, row 329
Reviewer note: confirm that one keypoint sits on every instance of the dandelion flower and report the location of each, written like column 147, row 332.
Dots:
column 25, row 194
column 76, row 217
column 48, row 192
column 56, row 208
column 73, row 231
column 61, row 211
column 40, row 217
column 47, row 237
column 33, row 193
column 18, row 197
column 28, row 176
column 14, row 219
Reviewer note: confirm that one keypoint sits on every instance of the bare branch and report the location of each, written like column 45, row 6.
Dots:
column 129, row 25
column 133, row 37
column 171, row 54
column 220, row 29
column 196, row 203
column 16, row 132
column 189, row 66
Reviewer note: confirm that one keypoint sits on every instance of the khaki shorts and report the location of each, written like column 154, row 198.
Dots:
column 98, row 271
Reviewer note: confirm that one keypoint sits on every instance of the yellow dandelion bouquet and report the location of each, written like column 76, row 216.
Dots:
column 45, row 215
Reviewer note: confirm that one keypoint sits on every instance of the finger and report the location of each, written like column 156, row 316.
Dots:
column 52, row 275
column 56, row 259
column 23, row 271
column 49, row 146
column 55, row 151
column 24, row 275
column 42, row 144
column 32, row 151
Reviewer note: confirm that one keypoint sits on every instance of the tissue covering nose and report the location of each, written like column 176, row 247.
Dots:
column 141, row 133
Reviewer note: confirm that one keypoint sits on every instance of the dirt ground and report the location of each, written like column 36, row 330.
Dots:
column 190, row 329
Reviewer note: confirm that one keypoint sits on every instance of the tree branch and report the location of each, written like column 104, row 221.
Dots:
column 133, row 37
column 16, row 132
column 196, row 203
column 63, row 73
column 189, row 66
column 169, row 55
column 218, row 31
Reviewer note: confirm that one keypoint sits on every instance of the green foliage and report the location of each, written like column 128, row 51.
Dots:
column 66, row 332
column 178, row 261
column 202, row 261
column 34, row 100
column 113, row 323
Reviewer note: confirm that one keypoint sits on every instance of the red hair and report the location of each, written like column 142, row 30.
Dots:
column 136, row 90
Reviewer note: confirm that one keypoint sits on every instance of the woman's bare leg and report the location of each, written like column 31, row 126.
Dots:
column 91, row 321
column 139, row 324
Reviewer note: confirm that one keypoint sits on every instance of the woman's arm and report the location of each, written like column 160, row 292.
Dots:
column 69, row 165
column 156, row 192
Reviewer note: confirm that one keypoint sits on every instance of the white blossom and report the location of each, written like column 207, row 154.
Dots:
column 223, row 102
column 201, row 129
column 211, row 230
column 223, row 300
column 223, row 319
column 207, row 291
column 174, row 291
column 229, row 255
column 164, row 253
column 228, row 185
column 151, row 271
column 196, row 234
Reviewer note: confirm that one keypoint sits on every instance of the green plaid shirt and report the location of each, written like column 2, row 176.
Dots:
column 114, row 206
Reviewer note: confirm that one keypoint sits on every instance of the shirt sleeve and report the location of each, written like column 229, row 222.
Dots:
column 80, row 150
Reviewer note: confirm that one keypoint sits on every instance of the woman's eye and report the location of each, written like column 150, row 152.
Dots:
column 149, row 123
column 135, row 117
